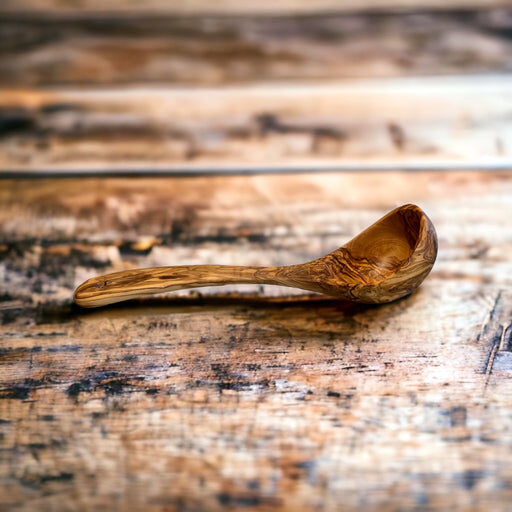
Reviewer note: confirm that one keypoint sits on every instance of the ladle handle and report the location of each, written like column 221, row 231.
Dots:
column 129, row 284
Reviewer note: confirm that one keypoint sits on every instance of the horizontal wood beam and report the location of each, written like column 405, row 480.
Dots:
column 422, row 123
column 235, row 7
column 56, row 49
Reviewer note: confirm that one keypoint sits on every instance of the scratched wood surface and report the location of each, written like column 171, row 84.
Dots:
column 57, row 49
column 82, row 88
column 245, row 397
column 233, row 6
column 433, row 121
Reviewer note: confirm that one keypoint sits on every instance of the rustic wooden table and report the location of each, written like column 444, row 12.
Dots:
column 244, row 397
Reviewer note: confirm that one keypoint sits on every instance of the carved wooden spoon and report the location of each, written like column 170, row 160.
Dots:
column 386, row 261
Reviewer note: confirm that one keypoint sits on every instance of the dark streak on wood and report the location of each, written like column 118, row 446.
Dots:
column 496, row 333
column 146, row 131
column 506, row 339
column 168, row 48
column 491, row 339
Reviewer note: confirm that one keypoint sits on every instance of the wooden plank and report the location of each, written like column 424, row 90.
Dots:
column 249, row 398
column 233, row 6
column 144, row 47
column 435, row 121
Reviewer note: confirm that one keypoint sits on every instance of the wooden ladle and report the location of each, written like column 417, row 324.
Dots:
column 386, row 261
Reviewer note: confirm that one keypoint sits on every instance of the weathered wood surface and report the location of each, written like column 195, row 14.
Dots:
column 141, row 90
column 246, row 397
column 249, row 398
column 432, row 121
column 234, row 6
column 48, row 49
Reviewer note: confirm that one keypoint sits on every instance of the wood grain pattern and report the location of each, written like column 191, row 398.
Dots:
column 385, row 262
column 257, row 399
column 53, row 49
column 229, row 7
column 253, row 397
column 432, row 121
column 96, row 91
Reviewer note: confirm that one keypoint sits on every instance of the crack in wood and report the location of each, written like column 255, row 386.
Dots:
column 506, row 339
column 496, row 334
column 492, row 355
column 484, row 331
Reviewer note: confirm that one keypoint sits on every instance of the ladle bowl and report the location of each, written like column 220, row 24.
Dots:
column 385, row 262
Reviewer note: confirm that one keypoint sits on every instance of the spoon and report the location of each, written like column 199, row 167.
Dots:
column 386, row 261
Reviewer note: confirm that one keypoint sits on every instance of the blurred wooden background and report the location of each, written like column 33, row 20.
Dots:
column 246, row 398
column 273, row 83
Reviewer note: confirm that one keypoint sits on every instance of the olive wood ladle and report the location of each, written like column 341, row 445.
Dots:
column 384, row 262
